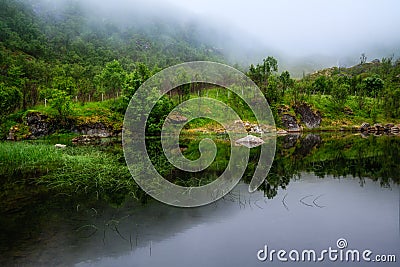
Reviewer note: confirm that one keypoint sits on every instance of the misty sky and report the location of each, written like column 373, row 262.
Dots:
column 309, row 27
column 304, row 35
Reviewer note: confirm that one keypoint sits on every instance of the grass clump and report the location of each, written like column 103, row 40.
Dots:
column 96, row 171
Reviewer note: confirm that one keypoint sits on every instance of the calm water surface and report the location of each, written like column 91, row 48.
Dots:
column 319, row 190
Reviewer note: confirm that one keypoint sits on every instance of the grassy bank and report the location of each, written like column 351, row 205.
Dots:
column 111, row 113
column 99, row 172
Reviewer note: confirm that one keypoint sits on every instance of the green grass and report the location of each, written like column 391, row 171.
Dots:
column 26, row 159
column 88, row 170
column 334, row 118
column 221, row 94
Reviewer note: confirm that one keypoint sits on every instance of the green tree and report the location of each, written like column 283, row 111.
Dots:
column 373, row 85
column 135, row 79
column 10, row 99
column 183, row 90
column 322, row 84
column 112, row 79
column 158, row 114
column 260, row 73
column 339, row 95
column 272, row 94
column 285, row 81
column 391, row 102
column 61, row 102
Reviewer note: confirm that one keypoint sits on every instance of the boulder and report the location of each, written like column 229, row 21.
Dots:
column 395, row 129
column 310, row 118
column 389, row 125
column 39, row 125
column 177, row 118
column 60, row 146
column 256, row 129
column 379, row 127
column 98, row 129
column 290, row 123
column 282, row 132
column 250, row 141
column 307, row 144
column 290, row 140
column 364, row 127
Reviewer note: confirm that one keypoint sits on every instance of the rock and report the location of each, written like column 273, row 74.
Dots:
column 290, row 123
column 290, row 140
column 256, row 129
column 364, row 127
column 60, row 146
column 310, row 118
column 283, row 109
column 395, row 129
column 247, row 126
column 250, row 141
column 281, row 132
column 236, row 127
column 176, row 118
column 97, row 129
column 379, row 127
column 39, row 125
column 87, row 139
column 307, row 144
column 389, row 125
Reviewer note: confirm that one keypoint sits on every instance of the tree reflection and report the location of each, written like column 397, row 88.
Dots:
column 340, row 156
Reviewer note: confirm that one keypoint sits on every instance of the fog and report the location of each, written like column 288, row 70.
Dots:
column 303, row 34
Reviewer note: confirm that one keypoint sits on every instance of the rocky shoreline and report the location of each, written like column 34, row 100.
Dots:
column 37, row 125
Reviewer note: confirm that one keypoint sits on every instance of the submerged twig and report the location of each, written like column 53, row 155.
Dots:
column 118, row 232
column 314, row 201
column 284, row 203
column 255, row 203
column 86, row 226
column 304, row 203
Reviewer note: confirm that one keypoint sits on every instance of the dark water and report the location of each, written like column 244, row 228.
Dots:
column 321, row 188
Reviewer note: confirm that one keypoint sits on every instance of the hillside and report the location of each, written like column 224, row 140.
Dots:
column 76, row 67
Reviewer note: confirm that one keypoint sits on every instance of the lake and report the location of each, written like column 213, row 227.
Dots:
column 323, row 191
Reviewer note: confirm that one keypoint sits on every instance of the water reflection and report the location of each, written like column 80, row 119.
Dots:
column 294, row 209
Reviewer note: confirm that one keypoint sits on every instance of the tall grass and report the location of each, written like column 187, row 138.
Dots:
column 88, row 170
column 27, row 159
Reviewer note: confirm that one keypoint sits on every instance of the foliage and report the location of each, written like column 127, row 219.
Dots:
column 10, row 99
column 391, row 100
column 261, row 72
column 339, row 94
column 61, row 102
column 323, row 85
column 112, row 79
column 157, row 115
column 44, row 48
column 285, row 81
column 373, row 85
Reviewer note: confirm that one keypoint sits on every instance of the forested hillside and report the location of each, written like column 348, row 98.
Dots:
column 55, row 56
column 45, row 46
